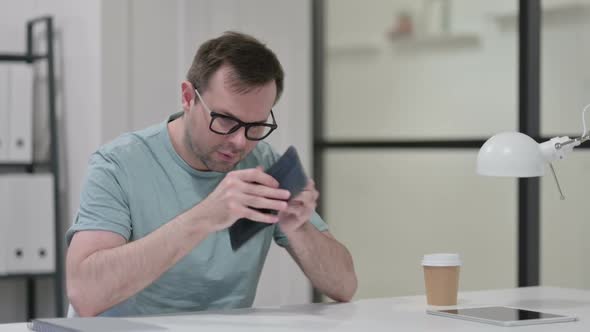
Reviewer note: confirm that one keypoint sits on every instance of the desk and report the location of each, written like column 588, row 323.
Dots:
column 384, row 314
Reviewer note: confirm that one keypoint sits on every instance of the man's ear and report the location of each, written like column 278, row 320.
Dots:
column 187, row 95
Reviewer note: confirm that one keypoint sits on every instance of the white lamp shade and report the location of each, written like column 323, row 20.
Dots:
column 510, row 154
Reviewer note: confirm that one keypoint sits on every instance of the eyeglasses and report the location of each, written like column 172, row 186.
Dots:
column 223, row 124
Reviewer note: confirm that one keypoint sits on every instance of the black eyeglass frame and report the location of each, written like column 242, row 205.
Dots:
column 239, row 123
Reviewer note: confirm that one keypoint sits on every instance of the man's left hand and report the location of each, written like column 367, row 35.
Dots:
column 300, row 209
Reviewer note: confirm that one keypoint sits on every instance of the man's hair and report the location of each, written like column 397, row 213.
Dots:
column 252, row 63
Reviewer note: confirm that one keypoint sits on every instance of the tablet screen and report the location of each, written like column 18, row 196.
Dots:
column 503, row 314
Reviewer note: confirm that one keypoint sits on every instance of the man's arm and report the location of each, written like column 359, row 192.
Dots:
column 325, row 261
column 103, row 270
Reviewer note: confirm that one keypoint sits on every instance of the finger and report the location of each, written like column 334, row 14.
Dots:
column 299, row 212
column 258, row 176
column 296, row 210
column 264, row 191
column 264, row 203
column 284, row 214
column 259, row 216
column 304, row 197
column 302, row 207
column 294, row 203
column 314, row 194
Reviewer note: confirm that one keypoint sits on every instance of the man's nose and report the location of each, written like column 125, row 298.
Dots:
column 238, row 138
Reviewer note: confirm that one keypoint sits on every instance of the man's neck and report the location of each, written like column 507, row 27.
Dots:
column 176, row 132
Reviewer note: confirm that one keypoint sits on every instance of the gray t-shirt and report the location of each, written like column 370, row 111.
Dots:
column 137, row 183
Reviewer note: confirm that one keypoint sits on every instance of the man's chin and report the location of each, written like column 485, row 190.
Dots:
column 217, row 162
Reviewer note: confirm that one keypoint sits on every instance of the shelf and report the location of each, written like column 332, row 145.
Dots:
column 37, row 168
column 436, row 41
column 34, row 164
column 27, row 275
column 30, row 56
column 549, row 13
column 20, row 57
column 406, row 43
column 353, row 49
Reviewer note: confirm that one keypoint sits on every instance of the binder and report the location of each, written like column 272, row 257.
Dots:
column 40, row 226
column 4, row 192
column 27, row 218
column 20, row 113
column 4, row 125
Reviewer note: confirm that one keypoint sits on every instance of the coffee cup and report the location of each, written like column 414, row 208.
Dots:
column 441, row 278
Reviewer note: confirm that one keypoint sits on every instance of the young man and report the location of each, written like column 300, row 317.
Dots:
column 151, row 235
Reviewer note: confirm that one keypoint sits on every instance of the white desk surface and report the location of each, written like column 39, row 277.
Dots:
column 383, row 314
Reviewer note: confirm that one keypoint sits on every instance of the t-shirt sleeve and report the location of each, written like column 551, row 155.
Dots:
column 280, row 238
column 103, row 202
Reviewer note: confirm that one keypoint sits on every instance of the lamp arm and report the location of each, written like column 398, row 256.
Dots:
column 557, row 147
column 575, row 141
column 585, row 132
column 561, row 195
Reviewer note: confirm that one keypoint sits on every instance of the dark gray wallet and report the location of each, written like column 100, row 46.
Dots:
column 290, row 174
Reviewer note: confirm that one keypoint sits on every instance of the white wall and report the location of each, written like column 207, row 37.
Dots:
column 119, row 68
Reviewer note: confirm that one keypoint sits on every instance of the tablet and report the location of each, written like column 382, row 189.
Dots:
column 504, row 316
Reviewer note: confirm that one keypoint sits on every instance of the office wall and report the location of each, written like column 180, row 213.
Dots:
column 119, row 69
column 565, row 42
column 564, row 225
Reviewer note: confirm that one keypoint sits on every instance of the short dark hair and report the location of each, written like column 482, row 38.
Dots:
column 252, row 63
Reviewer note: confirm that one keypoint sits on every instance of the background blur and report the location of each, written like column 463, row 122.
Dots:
column 391, row 71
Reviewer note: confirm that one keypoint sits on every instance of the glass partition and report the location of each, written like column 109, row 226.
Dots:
column 398, row 72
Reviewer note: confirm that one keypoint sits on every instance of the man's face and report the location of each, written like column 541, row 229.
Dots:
column 220, row 153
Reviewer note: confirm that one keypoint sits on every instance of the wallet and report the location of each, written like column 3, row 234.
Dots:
column 290, row 174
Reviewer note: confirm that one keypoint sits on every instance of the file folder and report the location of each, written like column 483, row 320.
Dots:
column 27, row 221
column 20, row 113
column 4, row 123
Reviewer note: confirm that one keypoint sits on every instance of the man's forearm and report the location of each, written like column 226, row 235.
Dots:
column 108, row 277
column 325, row 261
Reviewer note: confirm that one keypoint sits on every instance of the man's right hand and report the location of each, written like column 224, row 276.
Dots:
column 236, row 196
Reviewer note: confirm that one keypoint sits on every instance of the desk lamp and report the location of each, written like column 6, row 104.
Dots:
column 514, row 154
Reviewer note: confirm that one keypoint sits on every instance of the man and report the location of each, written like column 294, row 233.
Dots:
column 151, row 235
